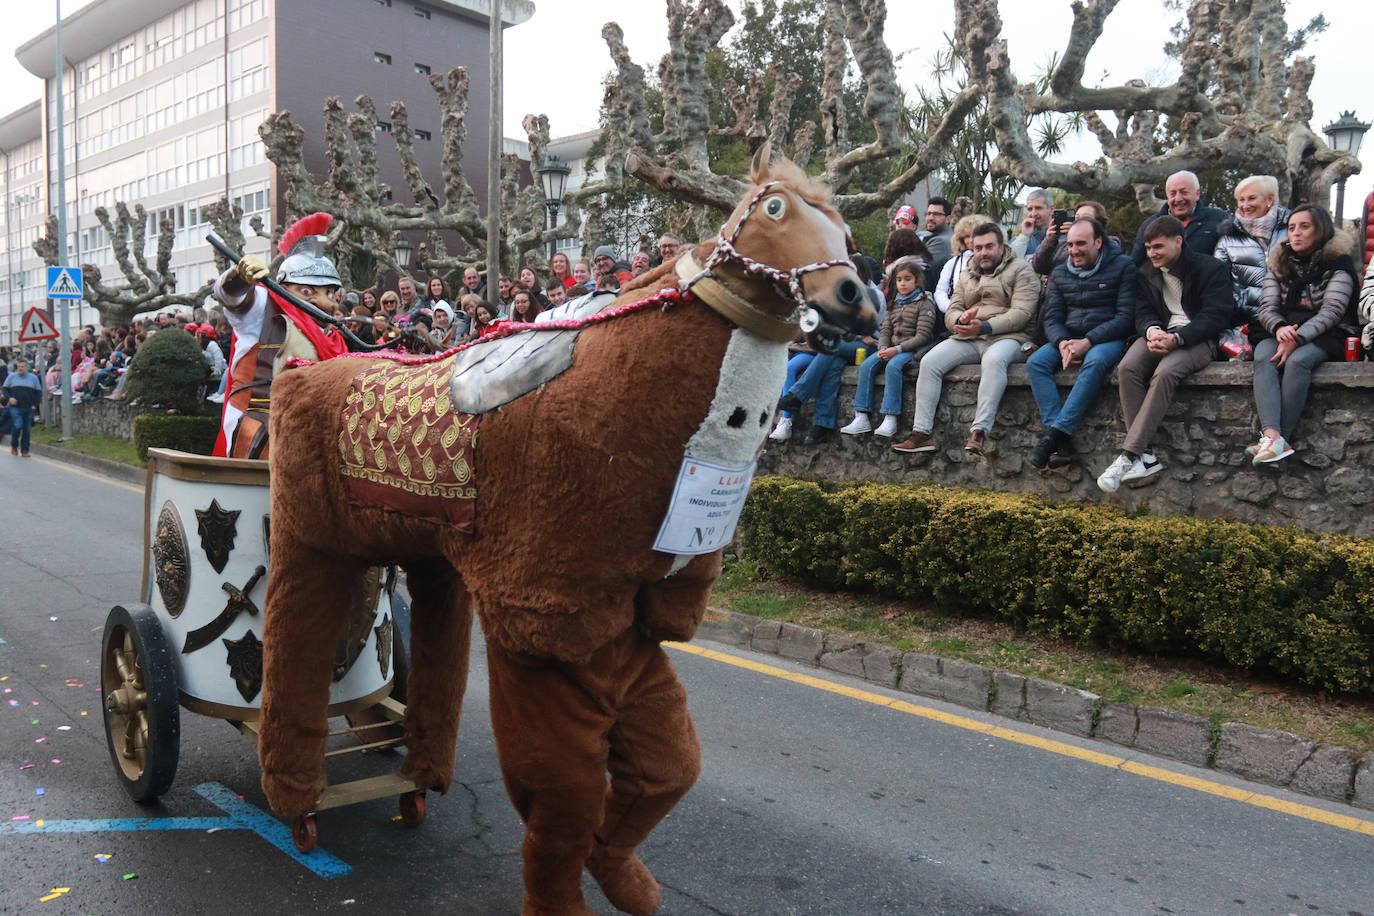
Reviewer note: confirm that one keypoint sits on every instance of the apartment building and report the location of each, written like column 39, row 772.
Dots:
column 162, row 102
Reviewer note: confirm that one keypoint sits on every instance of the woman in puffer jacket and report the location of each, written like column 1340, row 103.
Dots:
column 1307, row 296
column 1246, row 238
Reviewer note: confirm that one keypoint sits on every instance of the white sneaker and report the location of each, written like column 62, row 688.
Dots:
column 1143, row 468
column 858, row 425
column 1110, row 481
column 783, row 431
column 216, row 398
column 1271, row 450
column 888, row 427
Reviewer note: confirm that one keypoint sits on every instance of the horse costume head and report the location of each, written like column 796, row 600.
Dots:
column 780, row 261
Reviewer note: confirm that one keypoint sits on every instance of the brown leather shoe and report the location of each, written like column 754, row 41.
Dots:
column 25, row 454
column 976, row 440
column 916, row 442
column 14, row 449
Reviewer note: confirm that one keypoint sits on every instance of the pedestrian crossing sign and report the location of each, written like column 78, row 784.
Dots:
column 64, row 283
column 36, row 327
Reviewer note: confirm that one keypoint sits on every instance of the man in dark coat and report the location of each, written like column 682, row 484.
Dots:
column 1089, row 314
column 1200, row 223
column 1185, row 304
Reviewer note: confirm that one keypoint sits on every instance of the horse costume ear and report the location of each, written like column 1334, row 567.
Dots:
column 762, row 156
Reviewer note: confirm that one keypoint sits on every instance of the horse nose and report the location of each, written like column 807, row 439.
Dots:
column 849, row 293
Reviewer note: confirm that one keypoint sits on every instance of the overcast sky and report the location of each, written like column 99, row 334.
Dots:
column 555, row 62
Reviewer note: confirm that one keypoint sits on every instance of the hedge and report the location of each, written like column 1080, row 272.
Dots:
column 1260, row 598
column 195, row 434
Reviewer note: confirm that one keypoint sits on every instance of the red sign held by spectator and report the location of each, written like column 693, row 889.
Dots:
column 36, row 327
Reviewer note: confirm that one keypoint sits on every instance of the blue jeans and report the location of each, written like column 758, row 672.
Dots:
column 796, row 365
column 1281, row 394
column 21, row 419
column 1066, row 415
column 892, row 383
column 821, row 381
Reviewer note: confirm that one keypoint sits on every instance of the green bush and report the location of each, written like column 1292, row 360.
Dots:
column 187, row 434
column 168, row 371
column 1261, row 598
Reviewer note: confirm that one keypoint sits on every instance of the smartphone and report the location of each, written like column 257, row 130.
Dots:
column 1061, row 217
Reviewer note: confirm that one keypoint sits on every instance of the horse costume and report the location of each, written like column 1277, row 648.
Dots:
column 541, row 509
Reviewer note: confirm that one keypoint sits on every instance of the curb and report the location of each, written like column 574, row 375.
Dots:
column 121, row 472
column 1257, row 754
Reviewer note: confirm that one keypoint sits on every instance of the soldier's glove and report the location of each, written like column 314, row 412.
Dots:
column 251, row 270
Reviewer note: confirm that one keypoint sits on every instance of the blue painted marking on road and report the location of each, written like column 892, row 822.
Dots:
column 272, row 830
column 240, row 816
column 119, row 825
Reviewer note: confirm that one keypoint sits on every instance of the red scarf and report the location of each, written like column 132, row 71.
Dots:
column 327, row 345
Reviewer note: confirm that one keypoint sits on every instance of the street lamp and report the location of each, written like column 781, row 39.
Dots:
column 1344, row 135
column 554, row 177
column 402, row 251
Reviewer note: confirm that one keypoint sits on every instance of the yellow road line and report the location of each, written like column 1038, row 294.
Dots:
column 1307, row 812
column 50, row 462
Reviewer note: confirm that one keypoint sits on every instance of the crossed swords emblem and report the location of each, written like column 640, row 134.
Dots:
column 238, row 603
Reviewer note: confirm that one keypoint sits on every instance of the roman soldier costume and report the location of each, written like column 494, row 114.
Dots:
column 268, row 330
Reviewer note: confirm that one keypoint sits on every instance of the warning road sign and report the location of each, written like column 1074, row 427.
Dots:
column 36, row 327
column 64, row 283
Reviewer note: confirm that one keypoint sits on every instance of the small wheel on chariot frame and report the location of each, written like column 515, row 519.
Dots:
column 413, row 808
column 142, row 717
column 304, row 833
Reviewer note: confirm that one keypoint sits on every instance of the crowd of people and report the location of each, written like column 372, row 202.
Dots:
column 1198, row 284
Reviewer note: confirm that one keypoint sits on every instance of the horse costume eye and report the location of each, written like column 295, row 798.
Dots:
column 775, row 207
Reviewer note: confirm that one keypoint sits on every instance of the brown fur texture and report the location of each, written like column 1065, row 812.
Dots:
column 573, row 479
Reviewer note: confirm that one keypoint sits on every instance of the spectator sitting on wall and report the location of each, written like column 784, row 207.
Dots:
column 990, row 316
column 938, row 236
column 582, row 276
column 523, row 307
column 411, row 300
column 504, row 285
column 1246, row 238
column 1039, row 210
column 555, row 292
column 1307, row 294
column 908, row 331
column 639, row 263
column 391, row 304
column 668, row 245
column 1183, row 305
column 1089, row 313
column 954, row 268
column 472, row 282
column 561, row 269
column 1055, row 249
column 606, row 265
column 1200, row 223
column 529, row 279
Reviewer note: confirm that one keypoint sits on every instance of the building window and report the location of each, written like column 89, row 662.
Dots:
column 422, row 12
column 422, row 69
column 380, row 58
column 423, row 135
column 384, row 127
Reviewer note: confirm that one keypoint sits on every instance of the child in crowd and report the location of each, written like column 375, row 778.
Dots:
column 908, row 331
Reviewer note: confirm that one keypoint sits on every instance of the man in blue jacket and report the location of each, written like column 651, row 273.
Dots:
column 1089, row 313
column 22, row 393
column 1201, row 224
column 1185, row 302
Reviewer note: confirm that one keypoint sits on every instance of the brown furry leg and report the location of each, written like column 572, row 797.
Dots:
column 654, row 759
column 550, row 732
column 440, row 639
column 307, row 603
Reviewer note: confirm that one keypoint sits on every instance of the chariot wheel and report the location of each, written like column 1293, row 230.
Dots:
column 413, row 808
column 304, row 833
column 139, row 685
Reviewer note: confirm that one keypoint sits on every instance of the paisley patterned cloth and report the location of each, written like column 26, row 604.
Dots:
column 404, row 446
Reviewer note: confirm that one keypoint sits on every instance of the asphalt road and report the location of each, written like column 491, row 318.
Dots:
column 818, row 795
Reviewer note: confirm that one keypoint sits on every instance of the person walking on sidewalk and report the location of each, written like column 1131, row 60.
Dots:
column 1185, row 302
column 22, row 392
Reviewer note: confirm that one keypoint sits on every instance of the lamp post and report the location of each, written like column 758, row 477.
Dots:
column 402, row 251
column 1344, row 135
column 554, row 177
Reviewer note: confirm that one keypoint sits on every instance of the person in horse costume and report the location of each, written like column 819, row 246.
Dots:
column 269, row 330
column 378, row 461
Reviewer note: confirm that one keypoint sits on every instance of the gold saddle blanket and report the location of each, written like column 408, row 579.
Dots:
column 404, row 446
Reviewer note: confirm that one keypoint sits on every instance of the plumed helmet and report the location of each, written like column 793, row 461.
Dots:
column 305, row 260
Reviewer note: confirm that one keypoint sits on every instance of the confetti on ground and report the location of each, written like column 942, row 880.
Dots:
column 64, row 728
column 34, row 722
column 54, row 894
column 39, row 740
column 83, row 712
column 214, row 830
column 55, row 760
column 39, row 822
column 28, row 766
column 21, row 817
column 52, row 618
column 102, row 857
column 9, row 690
column 14, row 702
column 129, row 877
column 40, row 791
column 35, row 702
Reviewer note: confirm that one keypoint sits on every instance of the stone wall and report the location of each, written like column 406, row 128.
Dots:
column 1327, row 486
column 100, row 417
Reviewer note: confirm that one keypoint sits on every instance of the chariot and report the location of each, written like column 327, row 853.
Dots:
column 192, row 641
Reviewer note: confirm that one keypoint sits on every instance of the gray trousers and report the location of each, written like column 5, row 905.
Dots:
column 1147, row 383
column 994, row 357
column 1281, row 393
